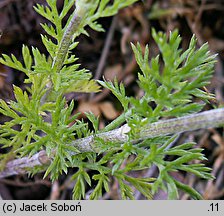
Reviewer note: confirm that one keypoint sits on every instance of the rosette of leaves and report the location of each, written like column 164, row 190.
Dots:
column 41, row 119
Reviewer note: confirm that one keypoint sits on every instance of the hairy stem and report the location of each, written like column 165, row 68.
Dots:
column 80, row 13
column 66, row 41
column 21, row 165
column 63, row 49
column 207, row 119
column 213, row 118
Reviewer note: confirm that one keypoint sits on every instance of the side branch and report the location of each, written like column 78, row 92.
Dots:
column 66, row 41
column 73, row 27
column 208, row 119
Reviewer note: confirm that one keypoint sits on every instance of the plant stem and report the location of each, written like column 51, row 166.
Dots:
column 80, row 13
column 63, row 49
column 207, row 119
column 20, row 166
column 115, row 123
column 73, row 26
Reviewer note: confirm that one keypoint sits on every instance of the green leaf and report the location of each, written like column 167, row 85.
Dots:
column 141, row 185
column 94, row 120
column 86, row 86
column 103, row 182
column 172, row 188
column 126, row 191
column 187, row 189
column 96, row 26
column 79, row 188
column 27, row 57
column 118, row 91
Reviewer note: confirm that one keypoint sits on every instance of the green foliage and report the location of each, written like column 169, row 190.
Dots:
column 182, row 76
column 118, row 91
column 81, row 177
column 170, row 82
column 40, row 117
